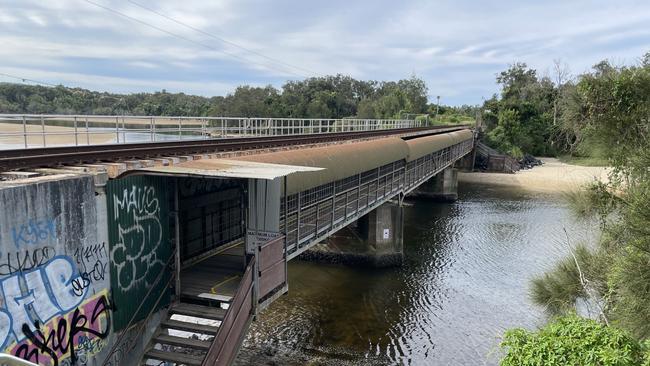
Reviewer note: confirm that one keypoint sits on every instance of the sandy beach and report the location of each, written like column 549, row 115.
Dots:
column 62, row 136
column 553, row 176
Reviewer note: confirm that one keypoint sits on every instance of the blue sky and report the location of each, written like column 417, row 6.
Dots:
column 457, row 47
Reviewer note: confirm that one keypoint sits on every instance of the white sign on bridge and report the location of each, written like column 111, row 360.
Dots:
column 255, row 238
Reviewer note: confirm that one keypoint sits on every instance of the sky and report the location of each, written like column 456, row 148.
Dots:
column 211, row 47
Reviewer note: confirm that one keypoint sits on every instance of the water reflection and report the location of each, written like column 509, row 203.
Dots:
column 464, row 281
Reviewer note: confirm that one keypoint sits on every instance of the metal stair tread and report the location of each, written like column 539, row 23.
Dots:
column 182, row 342
column 198, row 311
column 189, row 327
column 178, row 358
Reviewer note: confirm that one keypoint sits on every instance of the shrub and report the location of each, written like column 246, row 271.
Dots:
column 572, row 340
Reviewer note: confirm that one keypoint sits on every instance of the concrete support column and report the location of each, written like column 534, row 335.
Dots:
column 443, row 187
column 375, row 240
column 385, row 234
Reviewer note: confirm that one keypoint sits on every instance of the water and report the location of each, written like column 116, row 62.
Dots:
column 466, row 278
column 126, row 136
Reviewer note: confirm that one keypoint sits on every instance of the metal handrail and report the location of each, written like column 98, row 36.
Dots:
column 34, row 129
column 151, row 311
column 9, row 360
column 215, row 355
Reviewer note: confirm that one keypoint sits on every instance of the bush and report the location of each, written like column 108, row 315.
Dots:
column 572, row 340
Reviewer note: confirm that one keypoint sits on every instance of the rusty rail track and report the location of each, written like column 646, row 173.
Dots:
column 68, row 155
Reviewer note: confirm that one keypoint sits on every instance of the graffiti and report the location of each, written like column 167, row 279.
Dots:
column 90, row 254
column 86, row 278
column 138, row 245
column 135, row 255
column 137, row 200
column 92, row 263
column 24, row 260
column 48, row 292
column 34, row 232
column 79, row 333
column 89, row 346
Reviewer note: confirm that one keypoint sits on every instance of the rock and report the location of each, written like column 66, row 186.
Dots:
column 529, row 161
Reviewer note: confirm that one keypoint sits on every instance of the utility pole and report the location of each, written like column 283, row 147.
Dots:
column 437, row 106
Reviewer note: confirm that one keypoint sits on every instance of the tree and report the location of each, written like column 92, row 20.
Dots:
column 335, row 96
column 530, row 100
column 608, row 111
column 366, row 109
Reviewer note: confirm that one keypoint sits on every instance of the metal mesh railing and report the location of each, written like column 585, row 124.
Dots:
column 30, row 130
column 311, row 215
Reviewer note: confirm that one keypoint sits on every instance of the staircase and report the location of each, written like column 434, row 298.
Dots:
column 185, row 337
column 198, row 331
column 491, row 160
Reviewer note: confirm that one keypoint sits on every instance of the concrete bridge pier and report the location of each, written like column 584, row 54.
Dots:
column 383, row 232
column 442, row 187
column 375, row 240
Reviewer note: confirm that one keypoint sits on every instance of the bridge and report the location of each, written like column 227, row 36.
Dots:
column 126, row 252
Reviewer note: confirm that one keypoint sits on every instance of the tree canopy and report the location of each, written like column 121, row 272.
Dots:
column 319, row 97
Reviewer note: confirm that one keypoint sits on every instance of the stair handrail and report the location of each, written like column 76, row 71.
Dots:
column 10, row 360
column 212, row 356
column 151, row 311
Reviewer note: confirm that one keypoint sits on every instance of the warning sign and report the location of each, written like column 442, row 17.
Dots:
column 255, row 238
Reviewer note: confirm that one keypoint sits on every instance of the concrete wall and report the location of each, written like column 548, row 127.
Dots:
column 55, row 306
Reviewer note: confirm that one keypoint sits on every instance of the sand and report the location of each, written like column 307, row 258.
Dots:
column 553, row 176
column 64, row 136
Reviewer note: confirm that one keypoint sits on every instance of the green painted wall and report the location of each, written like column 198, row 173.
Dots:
column 139, row 244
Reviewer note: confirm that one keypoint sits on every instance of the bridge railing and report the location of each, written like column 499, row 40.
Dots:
column 310, row 216
column 36, row 130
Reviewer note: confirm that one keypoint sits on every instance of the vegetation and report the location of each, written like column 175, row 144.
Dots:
column 323, row 97
column 572, row 340
column 522, row 119
column 607, row 110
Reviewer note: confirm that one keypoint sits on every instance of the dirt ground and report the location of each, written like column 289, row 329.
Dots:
column 553, row 176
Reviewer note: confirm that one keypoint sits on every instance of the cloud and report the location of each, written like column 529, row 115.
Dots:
column 457, row 47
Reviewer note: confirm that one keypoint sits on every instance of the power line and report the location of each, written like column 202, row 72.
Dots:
column 186, row 39
column 221, row 39
column 26, row 79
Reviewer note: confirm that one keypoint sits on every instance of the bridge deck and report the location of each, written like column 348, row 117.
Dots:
column 99, row 154
column 214, row 278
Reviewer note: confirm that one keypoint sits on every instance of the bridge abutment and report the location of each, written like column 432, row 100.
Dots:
column 442, row 187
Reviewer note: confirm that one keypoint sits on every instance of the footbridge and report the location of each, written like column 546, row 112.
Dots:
column 154, row 251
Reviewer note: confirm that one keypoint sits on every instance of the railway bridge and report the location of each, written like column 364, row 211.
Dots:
column 120, row 252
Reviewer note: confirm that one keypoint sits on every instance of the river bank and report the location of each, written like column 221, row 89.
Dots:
column 552, row 177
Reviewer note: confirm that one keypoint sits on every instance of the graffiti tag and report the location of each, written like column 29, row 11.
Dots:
column 24, row 260
column 33, row 232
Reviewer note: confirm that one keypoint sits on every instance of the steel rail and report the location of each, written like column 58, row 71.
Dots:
column 66, row 155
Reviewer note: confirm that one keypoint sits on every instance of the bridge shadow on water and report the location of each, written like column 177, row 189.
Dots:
column 465, row 279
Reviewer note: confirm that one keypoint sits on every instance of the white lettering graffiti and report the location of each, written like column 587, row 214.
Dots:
column 135, row 255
